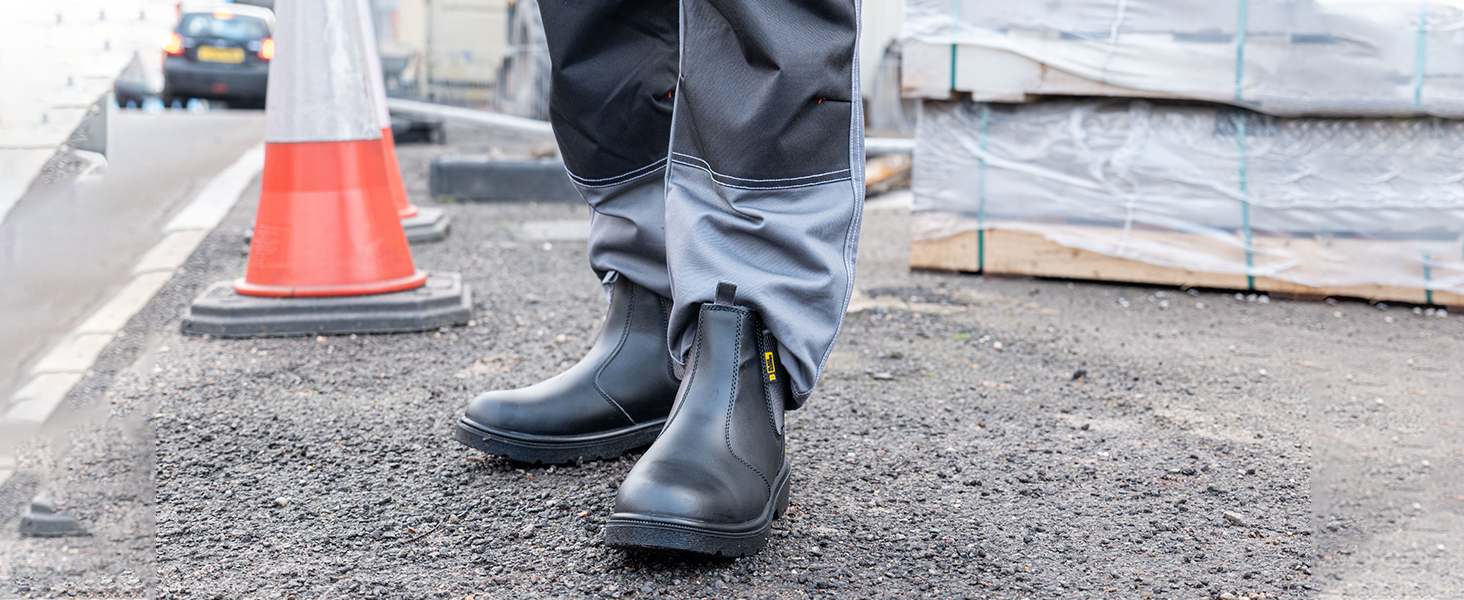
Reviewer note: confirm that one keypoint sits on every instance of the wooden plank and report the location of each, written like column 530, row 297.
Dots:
column 1022, row 253
column 925, row 70
column 955, row 253
column 1025, row 253
column 886, row 172
column 994, row 75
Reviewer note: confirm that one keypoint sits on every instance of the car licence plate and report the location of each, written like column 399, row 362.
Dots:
column 216, row 54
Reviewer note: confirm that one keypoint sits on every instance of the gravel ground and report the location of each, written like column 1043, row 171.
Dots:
column 972, row 437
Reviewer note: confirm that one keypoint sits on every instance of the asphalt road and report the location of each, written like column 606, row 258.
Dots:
column 69, row 244
column 972, row 437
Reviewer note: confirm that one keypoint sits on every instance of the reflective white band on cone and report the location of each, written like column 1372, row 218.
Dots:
column 405, row 208
column 327, row 222
column 324, row 75
column 373, row 64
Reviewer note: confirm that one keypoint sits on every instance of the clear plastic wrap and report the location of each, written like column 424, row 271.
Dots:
column 1281, row 57
column 1316, row 202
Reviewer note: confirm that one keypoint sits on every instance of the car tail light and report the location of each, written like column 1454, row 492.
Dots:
column 175, row 46
column 266, row 49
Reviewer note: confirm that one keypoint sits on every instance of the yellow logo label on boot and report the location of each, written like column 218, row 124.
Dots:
column 770, row 366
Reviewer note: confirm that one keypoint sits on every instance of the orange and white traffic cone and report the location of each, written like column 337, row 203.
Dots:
column 420, row 224
column 328, row 254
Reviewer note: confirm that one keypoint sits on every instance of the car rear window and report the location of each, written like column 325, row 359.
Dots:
column 224, row 25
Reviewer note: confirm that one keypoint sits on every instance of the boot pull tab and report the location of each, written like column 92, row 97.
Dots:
column 775, row 377
column 608, row 284
column 726, row 293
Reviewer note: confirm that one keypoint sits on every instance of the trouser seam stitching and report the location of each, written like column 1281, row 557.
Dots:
column 755, row 188
column 620, row 179
column 856, row 218
column 708, row 168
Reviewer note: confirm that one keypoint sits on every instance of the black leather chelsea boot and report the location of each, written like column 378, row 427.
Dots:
column 715, row 480
column 615, row 399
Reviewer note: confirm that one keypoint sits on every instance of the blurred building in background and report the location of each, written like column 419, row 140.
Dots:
column 59, row 59
column 491, row 54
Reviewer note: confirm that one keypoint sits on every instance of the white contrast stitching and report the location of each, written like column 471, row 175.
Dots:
column 708, row 166
column 851, row 235
column 618, row 179
column 622, row 182
column 772, row 187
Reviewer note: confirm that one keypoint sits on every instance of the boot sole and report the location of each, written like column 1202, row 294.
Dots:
column 649, row 534
column 557, row 450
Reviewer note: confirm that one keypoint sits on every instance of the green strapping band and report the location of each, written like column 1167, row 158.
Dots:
column 1427, row 279
column 1245, row 220
column 953, row 68
column 1242, row 20
column 981, row 190
column 1241, row 23
column 956, row 14
column 1420, row 53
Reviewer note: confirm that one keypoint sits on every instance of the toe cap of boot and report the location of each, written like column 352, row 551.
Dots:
column 546, row 409
column 692, row 491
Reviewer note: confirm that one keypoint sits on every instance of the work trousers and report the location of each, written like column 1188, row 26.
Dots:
column 718, row 140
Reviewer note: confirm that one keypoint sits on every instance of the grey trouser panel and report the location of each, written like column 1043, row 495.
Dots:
column 718, row 140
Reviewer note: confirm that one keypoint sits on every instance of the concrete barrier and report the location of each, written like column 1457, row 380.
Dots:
column 483, row 179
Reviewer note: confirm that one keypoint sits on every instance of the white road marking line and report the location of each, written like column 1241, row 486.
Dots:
column 7, row 468
column 35, row 402
column 64, row 366
column 115, row 314
column 218, row 197
column 171, row 252
column 75, row 353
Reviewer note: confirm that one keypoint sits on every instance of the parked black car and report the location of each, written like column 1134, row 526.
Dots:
column 222, row 54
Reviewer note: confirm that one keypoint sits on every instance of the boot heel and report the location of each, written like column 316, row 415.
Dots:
column 785, row 493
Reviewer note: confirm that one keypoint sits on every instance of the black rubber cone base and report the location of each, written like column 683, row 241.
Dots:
column 43, row 520
column 428, row 225
column 222, row 312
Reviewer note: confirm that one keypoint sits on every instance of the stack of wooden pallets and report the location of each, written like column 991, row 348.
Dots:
column 1320, row 157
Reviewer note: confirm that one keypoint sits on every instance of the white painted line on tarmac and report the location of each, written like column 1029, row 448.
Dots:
column 7, row 468
column 18, row 168
column 218, row 197
column 115, row 314
column 171, row 252
column 35, row 402
column 64, row 366
column 75, row 353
